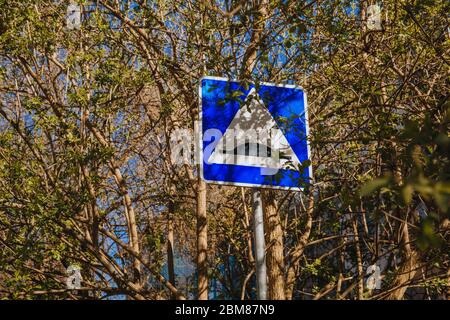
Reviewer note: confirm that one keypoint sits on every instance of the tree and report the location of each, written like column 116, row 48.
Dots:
column 87, row 177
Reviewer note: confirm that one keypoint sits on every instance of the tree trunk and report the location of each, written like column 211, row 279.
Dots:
column 202, row 241
column 170, row 263
column 272, row 223
column 202, row 221
column 408, row 269
column 359, row 260
column 275, row 254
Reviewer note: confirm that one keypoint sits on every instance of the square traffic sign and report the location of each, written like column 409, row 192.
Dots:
column 253, row 135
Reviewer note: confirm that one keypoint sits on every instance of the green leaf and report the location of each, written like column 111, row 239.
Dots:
column 407, row 191
column 428, row 236
column 374, row 185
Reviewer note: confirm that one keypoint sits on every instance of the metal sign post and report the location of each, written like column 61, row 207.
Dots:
column 260, row 247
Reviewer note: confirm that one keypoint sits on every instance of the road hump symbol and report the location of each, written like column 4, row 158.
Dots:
column 254, row 139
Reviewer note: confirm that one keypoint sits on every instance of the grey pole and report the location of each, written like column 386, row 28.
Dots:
column 260, row 247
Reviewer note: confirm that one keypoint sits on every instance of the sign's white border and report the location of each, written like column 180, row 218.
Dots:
column 200, row 135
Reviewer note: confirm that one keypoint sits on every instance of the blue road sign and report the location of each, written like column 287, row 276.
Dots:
column 253, row 135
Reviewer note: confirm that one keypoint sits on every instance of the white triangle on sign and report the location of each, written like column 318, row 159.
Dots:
column 253, row 139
